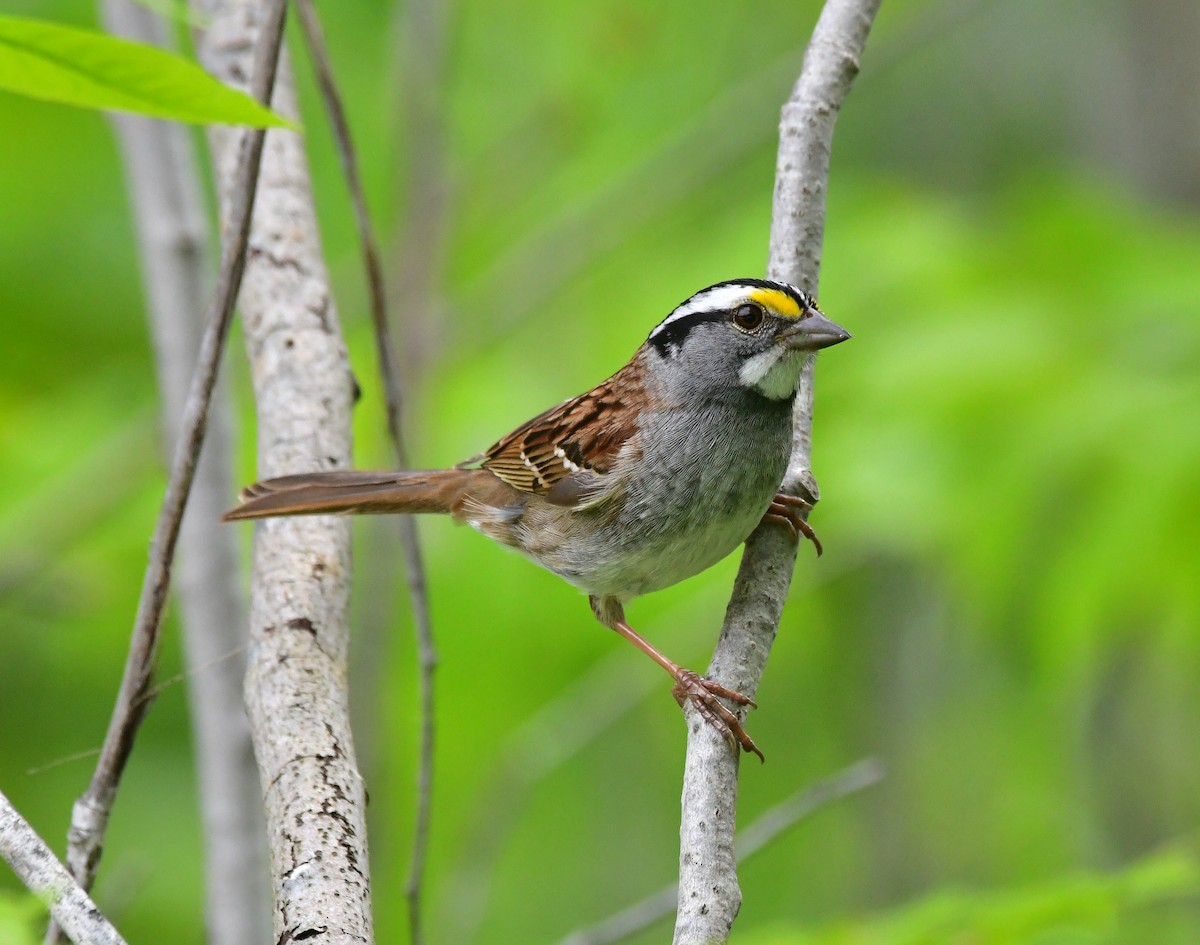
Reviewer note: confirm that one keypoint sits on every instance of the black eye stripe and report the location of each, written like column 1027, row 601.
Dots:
column 672, row 334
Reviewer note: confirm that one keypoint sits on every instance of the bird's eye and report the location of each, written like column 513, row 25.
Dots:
column 748, row 317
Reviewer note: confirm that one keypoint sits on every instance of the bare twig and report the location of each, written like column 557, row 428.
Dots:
column 393, row 394
column 766, row 829
column 296, row 683
column 39, row 869
column 709, row 896
column 424, row 28
column 90, row 814
column 314, row 37
column 167, row 200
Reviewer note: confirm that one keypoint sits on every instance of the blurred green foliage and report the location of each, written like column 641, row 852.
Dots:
column 1008, row 452
column 1074, row 910
column 18, row 913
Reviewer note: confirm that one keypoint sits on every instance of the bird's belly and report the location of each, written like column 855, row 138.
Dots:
column 666, row 559
column 661, row 536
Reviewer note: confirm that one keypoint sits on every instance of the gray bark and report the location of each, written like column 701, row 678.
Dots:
column 38, row 868
column 296, row 685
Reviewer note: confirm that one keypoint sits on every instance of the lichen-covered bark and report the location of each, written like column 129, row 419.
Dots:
column 296, row 686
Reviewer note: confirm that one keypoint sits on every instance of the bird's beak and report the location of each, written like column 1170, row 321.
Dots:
column 813, row 333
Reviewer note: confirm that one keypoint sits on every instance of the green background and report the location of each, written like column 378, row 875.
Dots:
column 1008, row 453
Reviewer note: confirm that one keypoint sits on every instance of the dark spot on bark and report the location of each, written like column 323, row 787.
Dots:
column 308, row 933
column 355, row 389
column 289, row 343
column 302, row 623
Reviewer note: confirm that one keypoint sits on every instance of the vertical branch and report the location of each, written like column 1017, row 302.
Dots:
column 296, row 683
column 89, row 816
column 165, row 194
column 709, row 895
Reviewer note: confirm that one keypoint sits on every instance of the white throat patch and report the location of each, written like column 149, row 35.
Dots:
column 774, row 373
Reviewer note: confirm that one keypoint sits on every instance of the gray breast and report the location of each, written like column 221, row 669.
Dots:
column 705, row 476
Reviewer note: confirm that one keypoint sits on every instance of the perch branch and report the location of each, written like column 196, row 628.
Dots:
column 709, row 895
column 765, row 830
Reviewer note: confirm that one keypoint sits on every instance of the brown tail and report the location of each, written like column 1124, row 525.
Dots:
column 361, row 493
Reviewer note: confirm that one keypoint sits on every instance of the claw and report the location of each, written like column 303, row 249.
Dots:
column 789, row 511
column 703, row 694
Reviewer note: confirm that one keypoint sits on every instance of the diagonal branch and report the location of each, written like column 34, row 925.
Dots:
column 89, row 817
column 166, row 199
column 37, row 867
column 709, row 896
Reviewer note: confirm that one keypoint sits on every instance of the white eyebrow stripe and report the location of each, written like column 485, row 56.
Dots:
column 716, row 299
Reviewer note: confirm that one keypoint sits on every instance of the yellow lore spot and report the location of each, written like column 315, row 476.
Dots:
column 777, row 301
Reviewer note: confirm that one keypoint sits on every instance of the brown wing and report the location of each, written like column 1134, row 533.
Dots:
column 580, row 436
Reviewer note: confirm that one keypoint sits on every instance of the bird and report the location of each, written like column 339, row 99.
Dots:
column 647, row 479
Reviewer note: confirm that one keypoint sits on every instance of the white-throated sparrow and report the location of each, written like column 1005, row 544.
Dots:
column 649, row 478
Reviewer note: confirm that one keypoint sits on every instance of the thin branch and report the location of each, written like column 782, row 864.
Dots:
column 422, row 60
column 709, row 895
column 39, row 869
column 393, row 395
column 91, row 811
column 765, row 830
column 314, row 37
column 168, row 208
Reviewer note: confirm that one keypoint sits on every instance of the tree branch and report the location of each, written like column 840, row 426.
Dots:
column 89, row 817
column 709, row 895
column 39, row 869
column 296, row 684
column 167, row 203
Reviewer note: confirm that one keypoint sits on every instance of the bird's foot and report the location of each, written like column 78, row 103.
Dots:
column 704, row 695
column 788, row 511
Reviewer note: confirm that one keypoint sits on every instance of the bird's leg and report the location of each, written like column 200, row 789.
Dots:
column 789, row 511
column 702, row 692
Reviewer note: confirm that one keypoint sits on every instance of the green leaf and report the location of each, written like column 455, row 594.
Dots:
column 94, row 70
